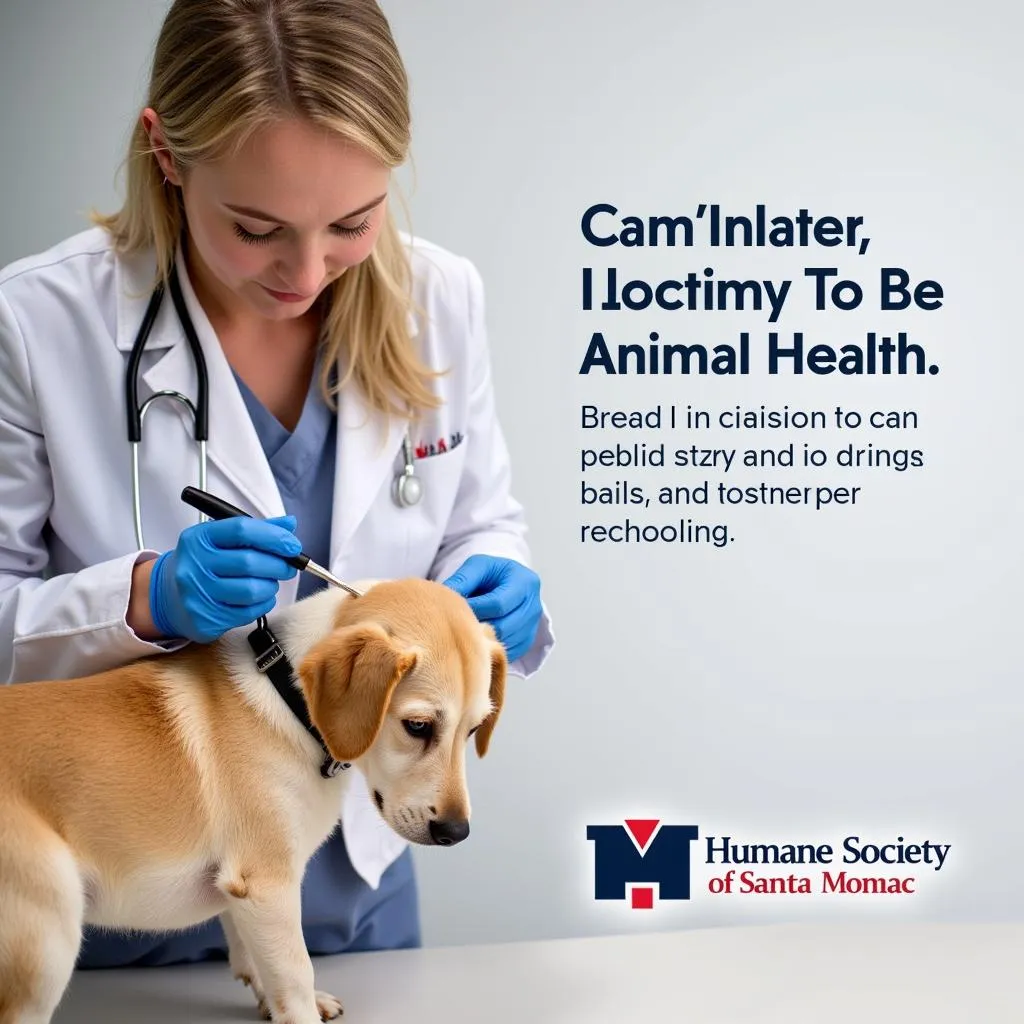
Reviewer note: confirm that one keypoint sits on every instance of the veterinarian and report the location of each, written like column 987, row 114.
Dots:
column 340, row 356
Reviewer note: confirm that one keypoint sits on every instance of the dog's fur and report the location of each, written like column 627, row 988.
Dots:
column 181, row 787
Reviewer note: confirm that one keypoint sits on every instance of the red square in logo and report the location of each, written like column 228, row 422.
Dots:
column 643, row 899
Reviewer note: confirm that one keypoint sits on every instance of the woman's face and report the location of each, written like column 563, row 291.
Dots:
column 275, row 223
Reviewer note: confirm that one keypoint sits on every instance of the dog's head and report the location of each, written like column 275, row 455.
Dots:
column 403, row 681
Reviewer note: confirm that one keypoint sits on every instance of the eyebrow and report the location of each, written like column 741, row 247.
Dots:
column 248, row 211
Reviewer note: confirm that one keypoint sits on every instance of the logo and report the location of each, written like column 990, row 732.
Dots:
column 643, row 856
column 644, row 861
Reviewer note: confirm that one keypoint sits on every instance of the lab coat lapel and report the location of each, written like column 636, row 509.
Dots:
column 233, row 447
column 368, row 443
column 136, row 275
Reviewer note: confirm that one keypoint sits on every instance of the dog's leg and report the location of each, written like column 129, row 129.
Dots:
column 42, row 905
column 267, row 916
column 241, row 963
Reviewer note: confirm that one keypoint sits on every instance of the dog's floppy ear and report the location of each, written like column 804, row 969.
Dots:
column 348, row 679
column 499, row 670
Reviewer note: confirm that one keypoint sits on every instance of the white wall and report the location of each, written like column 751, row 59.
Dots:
column 853, row 671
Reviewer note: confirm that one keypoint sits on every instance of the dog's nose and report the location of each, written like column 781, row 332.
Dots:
column 448, row 833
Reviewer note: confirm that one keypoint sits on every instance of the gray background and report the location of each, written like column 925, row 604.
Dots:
column 846, row 672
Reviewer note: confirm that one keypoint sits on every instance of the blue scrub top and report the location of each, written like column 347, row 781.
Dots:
column 340, row 912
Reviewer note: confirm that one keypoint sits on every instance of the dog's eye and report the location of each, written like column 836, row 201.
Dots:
column 418, row 730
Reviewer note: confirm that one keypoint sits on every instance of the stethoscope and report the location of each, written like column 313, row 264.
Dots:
column 406, row 489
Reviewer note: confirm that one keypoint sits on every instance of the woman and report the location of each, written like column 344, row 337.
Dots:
column 259, row 172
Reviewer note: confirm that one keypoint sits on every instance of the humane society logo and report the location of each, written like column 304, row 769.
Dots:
column 644, row 861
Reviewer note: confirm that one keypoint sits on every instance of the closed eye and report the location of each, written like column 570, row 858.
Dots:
column 253, row 238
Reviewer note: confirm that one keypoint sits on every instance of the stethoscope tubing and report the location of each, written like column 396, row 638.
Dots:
column 201, row 407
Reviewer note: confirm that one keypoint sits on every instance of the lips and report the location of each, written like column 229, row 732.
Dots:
column 285, row 296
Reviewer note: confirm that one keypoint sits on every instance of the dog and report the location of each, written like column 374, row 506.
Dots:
column 183, row 786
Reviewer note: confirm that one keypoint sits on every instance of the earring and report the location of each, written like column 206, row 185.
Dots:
column 165, row 179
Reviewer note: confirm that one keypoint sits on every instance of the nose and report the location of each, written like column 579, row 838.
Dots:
column 450, row 832
column 305, row 272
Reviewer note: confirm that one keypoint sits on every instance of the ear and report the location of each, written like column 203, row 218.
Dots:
column 348, row 679
column 499, row 670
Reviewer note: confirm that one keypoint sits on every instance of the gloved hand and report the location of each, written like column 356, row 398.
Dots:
column 504, row 593
column 222, row 574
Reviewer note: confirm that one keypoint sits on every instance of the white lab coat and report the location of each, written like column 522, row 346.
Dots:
column 68, row 318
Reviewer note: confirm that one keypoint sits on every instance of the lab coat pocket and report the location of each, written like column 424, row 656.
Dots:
column 440, row 476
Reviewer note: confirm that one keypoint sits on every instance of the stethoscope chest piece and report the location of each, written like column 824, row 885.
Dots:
column 407, row 488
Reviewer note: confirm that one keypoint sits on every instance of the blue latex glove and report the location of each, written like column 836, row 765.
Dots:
column 222, row 574
column 504, row 593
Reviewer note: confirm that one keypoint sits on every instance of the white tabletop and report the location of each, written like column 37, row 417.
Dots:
column 780, row 974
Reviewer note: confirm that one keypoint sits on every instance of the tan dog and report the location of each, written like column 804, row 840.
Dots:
column 181, row 787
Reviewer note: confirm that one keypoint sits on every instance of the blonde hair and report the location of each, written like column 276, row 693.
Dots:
column 222, row 70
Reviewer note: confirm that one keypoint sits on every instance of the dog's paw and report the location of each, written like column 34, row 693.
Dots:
column 328, row 1006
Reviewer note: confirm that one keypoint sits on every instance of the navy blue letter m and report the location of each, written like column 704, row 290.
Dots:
column 619, row 863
